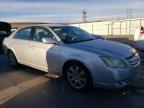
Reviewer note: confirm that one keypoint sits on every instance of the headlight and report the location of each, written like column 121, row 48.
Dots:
column 113, row 62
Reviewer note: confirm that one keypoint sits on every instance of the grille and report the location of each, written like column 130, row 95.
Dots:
column 133, row 60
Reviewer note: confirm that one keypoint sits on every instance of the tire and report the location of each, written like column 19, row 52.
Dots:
column 12, row 59
column 78, row 76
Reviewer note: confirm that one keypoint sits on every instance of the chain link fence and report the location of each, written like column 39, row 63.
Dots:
column 113, row 28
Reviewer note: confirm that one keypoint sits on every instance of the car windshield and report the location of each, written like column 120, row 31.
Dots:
column 71, row 34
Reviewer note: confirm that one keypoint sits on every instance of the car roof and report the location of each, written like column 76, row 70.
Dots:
column 45, row 25
column 52, row 25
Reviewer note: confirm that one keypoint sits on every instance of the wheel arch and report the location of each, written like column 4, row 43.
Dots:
column 73, row 61
column 8, row 49
column 82, row 64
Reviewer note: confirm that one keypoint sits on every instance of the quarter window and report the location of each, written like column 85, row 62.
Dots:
column 24, row 34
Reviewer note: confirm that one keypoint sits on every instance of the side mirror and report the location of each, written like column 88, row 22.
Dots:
column 49, row 41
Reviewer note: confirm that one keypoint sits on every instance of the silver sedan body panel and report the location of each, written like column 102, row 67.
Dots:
column 101, row 74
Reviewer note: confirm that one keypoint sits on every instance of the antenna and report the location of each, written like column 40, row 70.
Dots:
column 84, row 16
column 129, row 13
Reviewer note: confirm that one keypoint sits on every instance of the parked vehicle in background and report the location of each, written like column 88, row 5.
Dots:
column 139, row 42
column 139, row 38
column 81, row 58
column 5, row 30
column 139, row 34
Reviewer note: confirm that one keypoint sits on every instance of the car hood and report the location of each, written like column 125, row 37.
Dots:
column 5, row 27
column 105, row 48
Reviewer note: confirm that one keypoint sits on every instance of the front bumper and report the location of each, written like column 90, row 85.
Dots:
column 123, row 83
column 115, row 78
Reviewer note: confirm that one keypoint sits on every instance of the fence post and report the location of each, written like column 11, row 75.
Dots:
column 79, row 25
column 129, row 27
column 92, row 28
column 108, row 29
column 140, row 22
column 111, row 28
column 126, row 28
column 120, row 27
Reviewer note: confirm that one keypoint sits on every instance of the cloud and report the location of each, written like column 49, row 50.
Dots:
column 48, row 10
column 13, row 5
column 42, row 18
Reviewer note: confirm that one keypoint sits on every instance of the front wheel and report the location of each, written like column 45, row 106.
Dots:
column 12, row 59
column 78, row 76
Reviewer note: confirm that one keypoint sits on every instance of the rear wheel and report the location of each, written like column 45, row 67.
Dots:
column 12, row 59
column 78, row 76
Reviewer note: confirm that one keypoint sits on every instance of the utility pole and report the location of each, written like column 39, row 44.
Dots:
column 129, row 13
column 84, row 16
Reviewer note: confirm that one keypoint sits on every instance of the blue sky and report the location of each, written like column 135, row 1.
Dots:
column 67, row 11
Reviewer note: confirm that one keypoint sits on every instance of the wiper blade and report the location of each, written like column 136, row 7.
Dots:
column 81, row 41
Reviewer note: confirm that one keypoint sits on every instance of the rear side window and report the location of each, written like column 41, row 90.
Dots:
column 24, row 34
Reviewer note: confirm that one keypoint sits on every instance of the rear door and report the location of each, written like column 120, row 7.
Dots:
column 21, row 45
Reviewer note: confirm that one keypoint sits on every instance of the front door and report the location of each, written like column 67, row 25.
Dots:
column 44, row 56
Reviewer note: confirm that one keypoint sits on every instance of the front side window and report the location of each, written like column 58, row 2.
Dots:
column 71, row 34
column 39, row 33
column 24, row 34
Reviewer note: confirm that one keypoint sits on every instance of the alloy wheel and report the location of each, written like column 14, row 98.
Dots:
column 77, row 77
